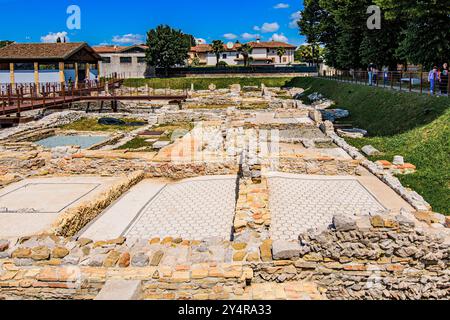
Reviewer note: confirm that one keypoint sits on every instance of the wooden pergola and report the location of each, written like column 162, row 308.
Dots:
column 58, row 54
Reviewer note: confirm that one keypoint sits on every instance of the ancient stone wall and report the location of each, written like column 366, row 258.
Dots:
column 371, row 257
column 319, row 165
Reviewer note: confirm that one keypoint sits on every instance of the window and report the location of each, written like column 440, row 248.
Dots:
column 125, row 59
column 284, row 59
column 224, row 56
column 141, row 60
column 106, row 59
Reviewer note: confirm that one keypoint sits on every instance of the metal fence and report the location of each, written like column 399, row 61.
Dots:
column 405, row 81
column 234, row 70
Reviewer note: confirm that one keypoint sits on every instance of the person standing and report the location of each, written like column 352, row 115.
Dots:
column 433, row 78
column 370, row 73
column 443, row 78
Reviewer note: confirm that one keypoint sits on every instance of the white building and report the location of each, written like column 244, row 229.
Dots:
column 128, row 62
column 263, row 53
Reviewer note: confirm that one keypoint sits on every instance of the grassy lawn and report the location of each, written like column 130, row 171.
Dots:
column 91, row 124
column 415, row 126
column 203, row 83
column 137, row 143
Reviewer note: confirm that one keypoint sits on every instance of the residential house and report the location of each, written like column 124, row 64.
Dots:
column 263, row 53
column 129, row 62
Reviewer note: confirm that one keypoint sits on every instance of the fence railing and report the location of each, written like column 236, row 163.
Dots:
column 234, row 70
column 409, row 81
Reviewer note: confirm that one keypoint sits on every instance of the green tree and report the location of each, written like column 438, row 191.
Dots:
column 305, row 54
column 310, row 24
column 217, row 48
column 246, row 50
column 281, row 52
column 4, row 43
column 425, row 32
column 167, row 47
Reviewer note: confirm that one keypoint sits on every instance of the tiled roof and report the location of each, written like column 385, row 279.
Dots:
column 42, row 51
column 107, row 49
column 204, row 48
column 271, row 44
column 116, row 49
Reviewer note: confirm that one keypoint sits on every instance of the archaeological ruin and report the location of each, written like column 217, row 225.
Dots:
column 238, row 193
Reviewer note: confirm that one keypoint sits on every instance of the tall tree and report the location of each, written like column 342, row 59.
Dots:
column 167, row 47
column 426, row 32
column 281, row 52
column 4, row 43
column 246, row 50
column 310, row 23
column 217, row 48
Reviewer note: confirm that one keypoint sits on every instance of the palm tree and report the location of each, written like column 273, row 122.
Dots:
column 281, row 52
column 217, row 48
column 246, row 50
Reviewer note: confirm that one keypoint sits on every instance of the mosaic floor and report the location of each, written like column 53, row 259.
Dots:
column 194, row 209
column 299, row 204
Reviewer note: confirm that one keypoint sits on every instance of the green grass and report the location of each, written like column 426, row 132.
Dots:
column 137, row 143
column 91, row 124
column 203, row 83
column 382, row 112
column 415, row 126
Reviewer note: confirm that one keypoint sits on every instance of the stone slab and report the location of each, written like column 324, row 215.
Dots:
column 120, row 290
column 48, row 197
column 115, row 219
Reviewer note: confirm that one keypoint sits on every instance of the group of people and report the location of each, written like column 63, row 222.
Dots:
column 439, row 77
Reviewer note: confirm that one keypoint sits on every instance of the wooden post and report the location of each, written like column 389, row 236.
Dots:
column 88, row 71
column 410, row 81
column 11, row 73
column 61, row 73
column 421, row 82
column 76, row 74
column 36, row 74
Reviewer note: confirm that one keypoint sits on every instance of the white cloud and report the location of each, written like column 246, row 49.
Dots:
column 249, row 36
column 52, row 37
column 294, row 18
column 281, row 6
column 129, row 39
column 279, row 37
column 230, row 36
column 270, row 27
column 256, row 28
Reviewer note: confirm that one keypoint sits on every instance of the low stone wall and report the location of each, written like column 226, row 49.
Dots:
column 313, row 165
column 387, row 256
column 378, row 257
column 73, row 220
column 18, row 165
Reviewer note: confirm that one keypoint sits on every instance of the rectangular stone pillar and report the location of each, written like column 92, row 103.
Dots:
column 11, row 73
column 62, row 78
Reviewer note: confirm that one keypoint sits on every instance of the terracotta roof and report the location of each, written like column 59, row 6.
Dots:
column 42, row 51
column 204, row 48
column 116, row 49
column 271, row 44
column 107, row 49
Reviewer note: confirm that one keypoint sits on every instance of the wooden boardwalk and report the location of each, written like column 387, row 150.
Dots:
column 51, row 97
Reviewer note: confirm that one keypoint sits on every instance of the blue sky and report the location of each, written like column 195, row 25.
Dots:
column 125, row 22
